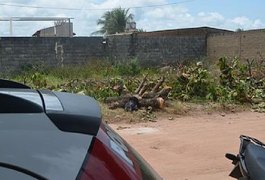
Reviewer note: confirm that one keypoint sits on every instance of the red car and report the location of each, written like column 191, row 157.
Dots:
column 56, row 135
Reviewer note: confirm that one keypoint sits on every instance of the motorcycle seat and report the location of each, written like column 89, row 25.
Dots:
column 255, row 161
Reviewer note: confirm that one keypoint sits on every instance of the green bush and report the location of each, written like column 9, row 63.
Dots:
column 130, row 68
column 234, row 84
column 193, row 82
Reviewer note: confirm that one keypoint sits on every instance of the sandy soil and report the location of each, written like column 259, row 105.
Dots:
column 192, row 147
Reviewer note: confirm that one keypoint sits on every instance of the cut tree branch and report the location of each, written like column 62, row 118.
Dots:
column 160, row 82
column 141, row 84
column 155, row 98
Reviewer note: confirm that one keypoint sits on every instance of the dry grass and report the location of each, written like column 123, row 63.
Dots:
column 120, row 115
column 174, row 109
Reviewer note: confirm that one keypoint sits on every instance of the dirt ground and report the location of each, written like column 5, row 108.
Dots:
column 192, row 147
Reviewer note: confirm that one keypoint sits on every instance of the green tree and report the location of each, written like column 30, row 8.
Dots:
column 239, row 30
column 114, row 21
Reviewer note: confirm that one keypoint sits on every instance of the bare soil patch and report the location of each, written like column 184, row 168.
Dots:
column 192, row 147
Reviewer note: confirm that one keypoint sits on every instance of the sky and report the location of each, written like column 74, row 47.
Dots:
column 150, row 15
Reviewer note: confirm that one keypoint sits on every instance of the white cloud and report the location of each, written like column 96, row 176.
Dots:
column 212, row 18
column 170, row 17
column 241, row 21
column 257, row 23
column 246, row 23
column 150, row 19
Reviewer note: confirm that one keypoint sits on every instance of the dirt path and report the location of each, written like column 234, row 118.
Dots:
column 192, row 147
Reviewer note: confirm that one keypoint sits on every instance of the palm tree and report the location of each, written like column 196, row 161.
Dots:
column 114, row 21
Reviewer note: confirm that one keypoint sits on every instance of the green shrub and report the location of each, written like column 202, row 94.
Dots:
column 193, row 82
column 234, row 84
column 130, row 68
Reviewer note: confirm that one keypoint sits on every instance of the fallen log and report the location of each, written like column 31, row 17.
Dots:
column 156, row 103
column 109, row 100
column 162, row 93
column 155, row 98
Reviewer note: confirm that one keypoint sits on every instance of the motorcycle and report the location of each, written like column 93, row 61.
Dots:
column 250, row 161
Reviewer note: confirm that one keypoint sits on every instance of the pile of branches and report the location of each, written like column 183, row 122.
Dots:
column 147, row 94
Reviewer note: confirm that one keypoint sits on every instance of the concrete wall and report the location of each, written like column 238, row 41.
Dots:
column 151, row 49
column 170, row 49
column 245, row 45
column 21, row 51
column 161, row 47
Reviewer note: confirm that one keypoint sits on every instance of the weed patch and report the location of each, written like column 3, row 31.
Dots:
column 233, row 83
